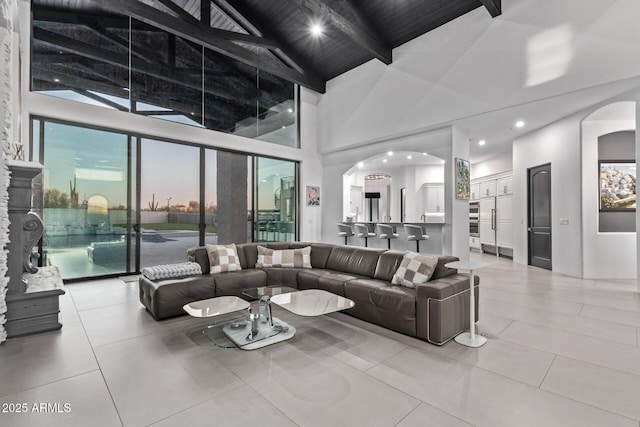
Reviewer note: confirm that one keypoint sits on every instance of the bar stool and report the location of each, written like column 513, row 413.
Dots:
column 362, row 231
column 415, row 233
column 345, row 231
column 385, row 231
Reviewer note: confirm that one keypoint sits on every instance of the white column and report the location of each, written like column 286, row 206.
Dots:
column 637, row 210
column 459, row 208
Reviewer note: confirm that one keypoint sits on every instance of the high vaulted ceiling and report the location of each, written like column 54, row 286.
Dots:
column 274, row 35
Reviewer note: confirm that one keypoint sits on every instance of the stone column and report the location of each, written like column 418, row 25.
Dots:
column 22, row 173
column 232, row 197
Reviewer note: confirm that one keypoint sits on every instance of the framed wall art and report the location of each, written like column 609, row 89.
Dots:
column 463, row 179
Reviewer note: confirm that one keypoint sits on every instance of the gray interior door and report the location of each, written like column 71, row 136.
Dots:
column 539, row 221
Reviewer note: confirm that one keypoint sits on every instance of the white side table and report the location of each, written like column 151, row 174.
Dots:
column 470, row 339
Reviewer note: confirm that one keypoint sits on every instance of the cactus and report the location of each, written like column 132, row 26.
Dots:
column 153, row 205
column 73, row 193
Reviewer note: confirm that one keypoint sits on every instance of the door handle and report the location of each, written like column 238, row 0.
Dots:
column 493, row 219
column 136, row 228
column 529, row 229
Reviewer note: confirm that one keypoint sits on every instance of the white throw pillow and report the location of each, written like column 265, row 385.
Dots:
column 414, row 269
column 170, row 271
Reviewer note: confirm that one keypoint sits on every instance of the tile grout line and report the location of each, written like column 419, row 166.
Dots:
column 99, row 367
column 555, row 356
column 585, row 403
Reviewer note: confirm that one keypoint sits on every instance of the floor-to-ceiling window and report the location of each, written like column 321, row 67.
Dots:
column 114, row 202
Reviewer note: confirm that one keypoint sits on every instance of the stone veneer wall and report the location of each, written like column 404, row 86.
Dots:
column 8, row 9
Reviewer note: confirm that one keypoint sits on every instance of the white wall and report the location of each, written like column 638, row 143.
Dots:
column 605, row 255
column 476, row 64
column 558, row 144
column 497, row 164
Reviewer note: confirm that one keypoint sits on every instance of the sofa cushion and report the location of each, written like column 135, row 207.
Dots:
column 282, row 276
column 293, row 258
column 414, row 269
column 354, row 260
column 168, row 271
column 327, row 280
column 234, row 282
column 320, row 254
column 378, row 302
column 200, row 255
column 165, row 298
column 388, row 264
column 223, row 258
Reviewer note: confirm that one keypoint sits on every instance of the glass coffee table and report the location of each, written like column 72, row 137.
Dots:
column 249, row 331
column 312, row 302
column 246, row 331
column 267, row 291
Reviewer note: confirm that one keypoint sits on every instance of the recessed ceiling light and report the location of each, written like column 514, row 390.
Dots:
column 442, row 161
column 424, row 154
column 389, row 153
column 56, row 80
column 409, row 157
column 519, row 124
column 384, row 160
column 482, row 142
column 316, row 30
column 290, row 110
column 360, row 165
column 283, row 127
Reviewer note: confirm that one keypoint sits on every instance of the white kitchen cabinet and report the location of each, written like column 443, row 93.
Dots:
column 495, row 197
column 474, row 242
column 488, row 188
column 504, row 208
column 504, row 185
column 475, row 191
column 487, row 233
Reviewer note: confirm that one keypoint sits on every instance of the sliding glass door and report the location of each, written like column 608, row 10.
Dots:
column 86, row 211
column 169, row 201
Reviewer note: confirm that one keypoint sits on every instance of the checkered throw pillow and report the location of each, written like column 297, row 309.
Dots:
column 223, row 258
column 300, row 258
column 414, row 269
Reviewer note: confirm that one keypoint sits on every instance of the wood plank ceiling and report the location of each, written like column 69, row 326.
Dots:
column 272, row 35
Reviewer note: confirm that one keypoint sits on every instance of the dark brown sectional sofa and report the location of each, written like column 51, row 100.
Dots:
column 435, row 311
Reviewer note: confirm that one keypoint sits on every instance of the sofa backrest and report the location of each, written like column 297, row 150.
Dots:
column 390, row 261
column 354, row 260
column 376, row 263
column 199, row 254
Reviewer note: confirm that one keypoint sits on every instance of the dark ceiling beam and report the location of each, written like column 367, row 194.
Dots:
column 493, row 6
column 212, row 39
column 243, row 17
column 205, row 12
column 180, row 12
column 47, row 14
column 342, row 15
column 143, row 54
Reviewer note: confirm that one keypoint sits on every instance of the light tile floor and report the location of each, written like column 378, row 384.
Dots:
column 561, row 352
